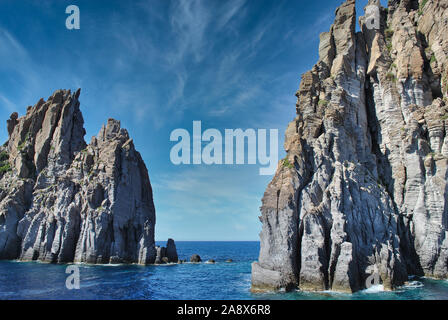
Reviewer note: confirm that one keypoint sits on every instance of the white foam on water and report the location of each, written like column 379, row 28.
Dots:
column 374, row 289
column 413, row 285
column 92, row 265
column 165, row 264
column 336, row 293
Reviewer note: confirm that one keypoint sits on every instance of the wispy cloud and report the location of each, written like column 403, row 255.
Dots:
column 5, row 103
column 220, row 111
column 10, row 47
column 22, row 71
column 231, row 9
column 189, row 20
column 303, row 34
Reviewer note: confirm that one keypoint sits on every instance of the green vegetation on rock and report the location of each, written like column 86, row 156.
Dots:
column 389, row 46
column 5, row 168
column 4, row 162
column 287, row 164
column 23, row 143
column 389, row 33
column 323, row 103
column 422, row 5
column 433, row 58
column 4, row 156
column 391, row 77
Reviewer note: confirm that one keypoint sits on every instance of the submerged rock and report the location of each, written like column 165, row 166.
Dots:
column 63, row 200
column 363, row 188
column 195, row 258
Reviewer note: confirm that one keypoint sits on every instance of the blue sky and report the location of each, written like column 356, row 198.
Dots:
column 158, row 65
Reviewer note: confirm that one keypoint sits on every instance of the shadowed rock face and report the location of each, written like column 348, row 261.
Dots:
column 367, row 192
column 62, row 200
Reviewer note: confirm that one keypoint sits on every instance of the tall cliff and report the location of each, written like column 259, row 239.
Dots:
column 363, row 188
column 62, row 200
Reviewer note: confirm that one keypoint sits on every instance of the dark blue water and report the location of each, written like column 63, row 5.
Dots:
column 32, row 280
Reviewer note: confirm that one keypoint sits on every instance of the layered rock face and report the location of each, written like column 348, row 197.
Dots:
column 363, row 189
column 62, row 200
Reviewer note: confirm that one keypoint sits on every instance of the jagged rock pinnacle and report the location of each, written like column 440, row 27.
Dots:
column 62, row 200
column 368, row 189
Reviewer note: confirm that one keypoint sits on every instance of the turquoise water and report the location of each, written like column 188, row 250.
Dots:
column 220, row 281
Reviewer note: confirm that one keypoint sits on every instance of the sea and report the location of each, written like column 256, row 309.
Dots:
column 219, row 281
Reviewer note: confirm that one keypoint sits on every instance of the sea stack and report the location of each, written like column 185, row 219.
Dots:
column 167, row 254
column 363, row 188
column 62, row 200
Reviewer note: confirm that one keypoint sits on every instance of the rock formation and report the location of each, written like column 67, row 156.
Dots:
column 62, row 200
column 171, row 251
column 167, row 254
column 363, row 189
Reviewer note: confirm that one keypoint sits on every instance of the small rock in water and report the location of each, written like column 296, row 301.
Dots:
column 229, row 260
column 195, row 258
column 211, row 261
